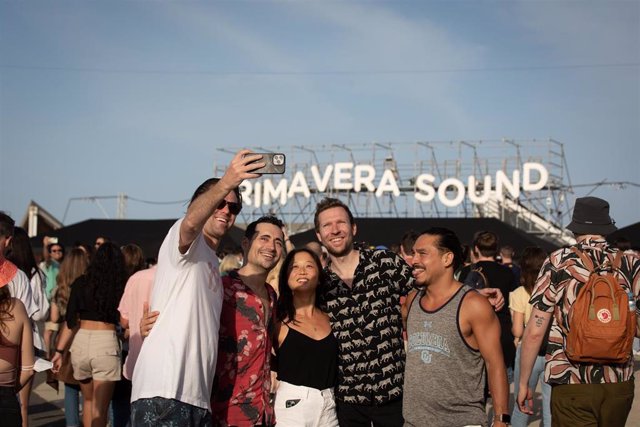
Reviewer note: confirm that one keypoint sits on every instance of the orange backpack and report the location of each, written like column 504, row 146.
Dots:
column 601, row 325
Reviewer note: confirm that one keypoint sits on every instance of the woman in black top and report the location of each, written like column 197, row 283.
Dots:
column 95, row 352
column 307, row 350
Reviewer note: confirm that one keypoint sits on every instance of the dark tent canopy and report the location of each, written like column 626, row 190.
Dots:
column 148, row 234
column 387, row 231
column 630, row 232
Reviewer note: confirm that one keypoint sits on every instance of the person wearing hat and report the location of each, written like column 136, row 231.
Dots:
column 582, row 393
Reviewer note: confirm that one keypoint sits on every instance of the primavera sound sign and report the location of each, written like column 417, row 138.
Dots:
column 347, row 176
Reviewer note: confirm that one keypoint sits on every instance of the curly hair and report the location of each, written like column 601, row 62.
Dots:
column 286, row 312
column 107, row 277
column 73, row 266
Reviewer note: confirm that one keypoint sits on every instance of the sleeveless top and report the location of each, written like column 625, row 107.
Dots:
column 307, row 362
column 9, row 352
column 444, row 378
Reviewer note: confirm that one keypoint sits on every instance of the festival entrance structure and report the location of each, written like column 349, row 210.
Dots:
column 525, row 184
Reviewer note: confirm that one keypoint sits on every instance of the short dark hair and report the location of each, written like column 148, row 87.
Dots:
column 51, row 245
column 7, row 225
column 328, row 203
column 251, row 228
column 486, row 242
column 202, row 188
column 408, row 240
column 447, row 242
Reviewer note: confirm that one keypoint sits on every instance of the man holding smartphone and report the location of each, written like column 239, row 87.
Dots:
column 173, row 376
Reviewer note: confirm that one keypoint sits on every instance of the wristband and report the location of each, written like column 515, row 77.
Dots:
column 59, row 351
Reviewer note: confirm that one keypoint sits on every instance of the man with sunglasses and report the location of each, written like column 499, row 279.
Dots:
column 173, row 376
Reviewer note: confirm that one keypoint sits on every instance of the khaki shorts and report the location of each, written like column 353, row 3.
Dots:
column 96, row 355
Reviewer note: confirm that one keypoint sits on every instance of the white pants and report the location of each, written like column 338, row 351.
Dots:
column 299, row 406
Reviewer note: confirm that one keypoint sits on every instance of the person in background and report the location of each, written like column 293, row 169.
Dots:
column 307, row 350
column 100, row 240
column 52, row 264
column 506, row 257
column 229, row 263
column 16, row 344
column 531, row 261
column 582, row 394
column 120, row 409
column 134, row 302
column 73, row 266
column 95, row 352
column 21, row 254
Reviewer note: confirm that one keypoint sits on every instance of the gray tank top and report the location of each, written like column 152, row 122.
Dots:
column 444, row 377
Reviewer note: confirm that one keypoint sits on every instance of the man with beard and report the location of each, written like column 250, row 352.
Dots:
column 174, row 372
column 242, row 385
column 362, row 299
column 453, row 335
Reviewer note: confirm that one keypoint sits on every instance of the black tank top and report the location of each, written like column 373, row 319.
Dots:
column 307, row 362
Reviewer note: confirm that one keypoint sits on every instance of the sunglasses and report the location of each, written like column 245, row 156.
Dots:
column 56, row 250
column 234, row 207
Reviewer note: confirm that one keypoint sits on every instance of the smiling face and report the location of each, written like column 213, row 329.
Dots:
column 266, row 246
column 429, row 261
column 335, row 231
column 222, row 218
column 303, row 273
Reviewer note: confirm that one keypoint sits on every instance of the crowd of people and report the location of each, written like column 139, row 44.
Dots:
column 335, row 333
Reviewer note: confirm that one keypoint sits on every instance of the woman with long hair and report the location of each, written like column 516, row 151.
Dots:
column 73, row 266
column 307, row 350
column 95, row 352
column 21, row 254
column 530, row 263
column 16, row 350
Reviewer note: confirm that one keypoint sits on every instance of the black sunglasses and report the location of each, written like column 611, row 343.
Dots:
column 234, row 207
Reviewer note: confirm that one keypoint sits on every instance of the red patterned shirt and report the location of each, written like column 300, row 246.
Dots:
column 243, row 381
column 560, row 279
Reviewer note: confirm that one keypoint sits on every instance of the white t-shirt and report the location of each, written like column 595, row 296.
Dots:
column 178, row 358
column 20, row 288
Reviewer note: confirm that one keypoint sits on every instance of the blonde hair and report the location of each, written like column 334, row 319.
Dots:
column 230, row 262
column 73, row 266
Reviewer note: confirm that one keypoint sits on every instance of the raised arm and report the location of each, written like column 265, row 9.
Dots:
column 204, row 205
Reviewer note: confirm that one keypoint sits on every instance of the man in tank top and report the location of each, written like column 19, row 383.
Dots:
column 453, row 334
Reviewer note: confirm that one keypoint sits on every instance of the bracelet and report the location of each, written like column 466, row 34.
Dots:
column 59, row 351
column 27, row 368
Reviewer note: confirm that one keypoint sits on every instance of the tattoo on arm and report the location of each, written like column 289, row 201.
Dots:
column 539, row 320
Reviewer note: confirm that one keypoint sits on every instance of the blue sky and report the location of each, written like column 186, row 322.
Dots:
column 103, row 97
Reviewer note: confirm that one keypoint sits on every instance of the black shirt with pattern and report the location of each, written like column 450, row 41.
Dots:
column 366, row 320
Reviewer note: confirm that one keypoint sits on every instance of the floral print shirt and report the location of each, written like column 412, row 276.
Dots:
column 242, row 381
column 560, row 279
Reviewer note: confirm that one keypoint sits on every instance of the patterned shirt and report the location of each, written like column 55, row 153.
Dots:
column 243, row 380
column 366, row 320
column 560, row 279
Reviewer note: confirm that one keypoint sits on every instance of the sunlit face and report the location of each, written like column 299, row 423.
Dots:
column 266, row 246
column 303, row 272
column 222, row 218
column 335, row 231
column 429, row 262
